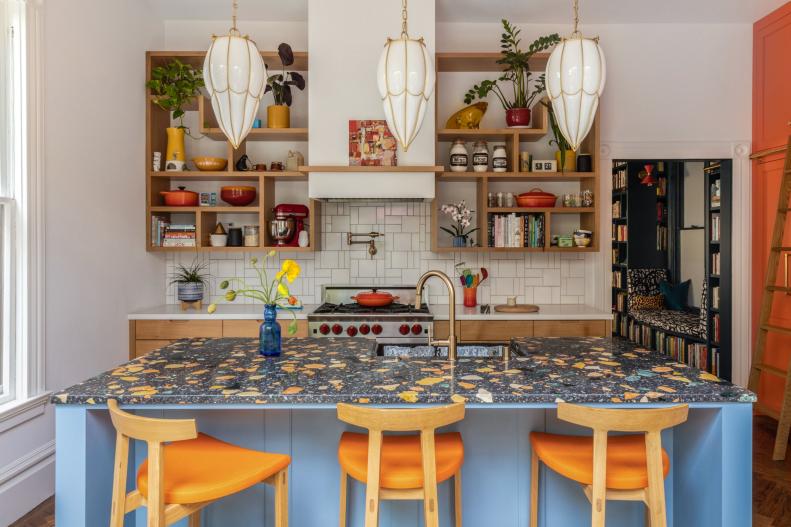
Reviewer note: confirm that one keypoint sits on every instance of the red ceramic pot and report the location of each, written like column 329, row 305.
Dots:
column 517, row 117
column 374, row 298
column 238, row 196
column 536, row 198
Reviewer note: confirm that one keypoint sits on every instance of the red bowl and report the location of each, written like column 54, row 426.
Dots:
column 238, row 196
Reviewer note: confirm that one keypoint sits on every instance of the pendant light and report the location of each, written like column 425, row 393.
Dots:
column 575, row 77
column 235, row 77
column 406, row 81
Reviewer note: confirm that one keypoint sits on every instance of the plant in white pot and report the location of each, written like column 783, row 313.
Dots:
column 516, row 70
column 278, row 115
column 191, row 281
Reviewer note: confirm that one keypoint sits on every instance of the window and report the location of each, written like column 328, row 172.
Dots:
column 19, row 378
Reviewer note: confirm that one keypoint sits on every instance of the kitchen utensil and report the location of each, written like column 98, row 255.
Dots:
column 238, row 196
column 282, row 229
column 374, row 298
column 276, row 166
column 210, row 164
column 244, row 164
column 518, row 308
column 484, row 274
column 299, row 215
column 536, row 198
column 235, row 238
column 584, row 163
column 218, row 240
column 180, row 198
column 260, row 167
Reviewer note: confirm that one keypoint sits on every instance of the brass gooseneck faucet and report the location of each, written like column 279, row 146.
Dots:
column 451, row 342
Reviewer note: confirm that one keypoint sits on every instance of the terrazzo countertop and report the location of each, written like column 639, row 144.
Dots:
column 327, row 371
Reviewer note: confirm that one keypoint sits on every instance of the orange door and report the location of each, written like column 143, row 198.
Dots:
column 771, row 128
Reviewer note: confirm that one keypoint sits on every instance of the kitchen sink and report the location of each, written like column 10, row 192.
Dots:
column 422, row 350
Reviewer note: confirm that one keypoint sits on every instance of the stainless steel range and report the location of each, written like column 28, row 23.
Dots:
column 340, row 315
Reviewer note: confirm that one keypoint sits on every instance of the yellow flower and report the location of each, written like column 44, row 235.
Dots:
column 282, row 289
column 290, row 270
column 230, row 296
column 212, row 308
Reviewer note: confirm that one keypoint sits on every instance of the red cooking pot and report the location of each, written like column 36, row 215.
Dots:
column 536, row 198
column 374, row 298
column 180, row 198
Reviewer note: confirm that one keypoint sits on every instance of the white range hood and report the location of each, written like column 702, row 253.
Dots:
column 371, row 185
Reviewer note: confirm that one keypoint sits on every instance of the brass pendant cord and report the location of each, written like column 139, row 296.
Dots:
column 576, row 32
column 403, row 20
column 234, row 8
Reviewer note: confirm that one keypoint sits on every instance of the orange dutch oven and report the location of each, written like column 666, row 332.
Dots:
column 374, row 298
column 180, row 198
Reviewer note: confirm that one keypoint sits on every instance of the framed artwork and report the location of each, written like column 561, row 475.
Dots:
column 371, row 144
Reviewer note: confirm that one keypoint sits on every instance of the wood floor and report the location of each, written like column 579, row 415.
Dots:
column 771, row 486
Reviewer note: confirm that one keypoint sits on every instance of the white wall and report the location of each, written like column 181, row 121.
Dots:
column 94, row 156
column 693, row 242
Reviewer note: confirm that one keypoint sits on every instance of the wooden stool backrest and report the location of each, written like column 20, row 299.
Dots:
column 154, row 432
column 379, row 420
column 651, row 422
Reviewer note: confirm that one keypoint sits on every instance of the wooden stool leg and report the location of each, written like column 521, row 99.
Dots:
column 281, row 498
column 117, row 512
column 534, row 466
column 656, row 480
column 457, row 498
column 599, row 487
column 194, row 520
column 344, row 490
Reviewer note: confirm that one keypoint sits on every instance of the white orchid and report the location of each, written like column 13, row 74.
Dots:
column 461, row 214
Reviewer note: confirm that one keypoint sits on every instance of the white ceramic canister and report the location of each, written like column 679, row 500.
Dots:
column 459, row 157
column 480, row 156
column 499, row 158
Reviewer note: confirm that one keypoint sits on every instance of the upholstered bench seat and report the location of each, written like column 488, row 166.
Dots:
column 682, row 322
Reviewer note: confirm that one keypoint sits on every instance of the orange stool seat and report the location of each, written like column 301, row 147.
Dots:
column 207, row 469
column 401, row 464
column 572, row 457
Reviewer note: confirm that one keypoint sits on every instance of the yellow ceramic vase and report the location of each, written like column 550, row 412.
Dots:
column 571, row 161
column 278, row 116
column 175, row 151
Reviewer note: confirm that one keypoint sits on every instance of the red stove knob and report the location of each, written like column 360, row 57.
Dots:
column 403, row 329
column 351, row 331
column 324, row 329
column 365, row 329
column 337, row 329
column 417, row 329
column 376, row 329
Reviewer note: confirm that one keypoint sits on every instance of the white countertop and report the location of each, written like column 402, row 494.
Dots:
column 545, row 312
column 440, row 312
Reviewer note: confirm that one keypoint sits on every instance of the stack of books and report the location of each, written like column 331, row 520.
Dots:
column 512, row 230
column 715, row 263
column 179, row 236
column 715, row 194
column 158, row 226
column 715, row 227
column 619, row 233
column 715, row 297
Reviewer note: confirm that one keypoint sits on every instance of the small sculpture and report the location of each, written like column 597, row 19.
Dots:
column 468, row 117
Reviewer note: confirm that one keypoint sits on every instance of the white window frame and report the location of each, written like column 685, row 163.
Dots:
column 22, row 209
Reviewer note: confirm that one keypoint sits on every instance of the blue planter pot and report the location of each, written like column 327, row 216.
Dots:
column 460, row 241
column 269, row 333
column 189, row 291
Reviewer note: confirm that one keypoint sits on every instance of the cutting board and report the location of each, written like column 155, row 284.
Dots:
column 518, row 308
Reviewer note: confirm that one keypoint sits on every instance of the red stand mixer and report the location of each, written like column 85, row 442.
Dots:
column 289, row 221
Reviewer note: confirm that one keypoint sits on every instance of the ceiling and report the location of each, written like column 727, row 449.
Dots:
column 522, row 11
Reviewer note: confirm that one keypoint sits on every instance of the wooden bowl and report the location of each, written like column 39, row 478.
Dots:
column 210, row 164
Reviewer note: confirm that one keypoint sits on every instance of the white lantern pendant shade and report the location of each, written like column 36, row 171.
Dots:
column 575, row 77
column 235, row 77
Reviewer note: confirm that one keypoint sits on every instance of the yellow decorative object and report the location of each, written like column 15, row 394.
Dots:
column 278, row 116
column 175, row 149
column 469, row 117
column 571, row 161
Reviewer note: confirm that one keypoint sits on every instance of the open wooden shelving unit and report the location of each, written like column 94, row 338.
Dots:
column 465, row 62
column 205, row 218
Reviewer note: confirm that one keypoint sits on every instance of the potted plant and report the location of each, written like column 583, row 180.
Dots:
column 190, row 281
column 174, row 86
column 274, row 294
column 565, row 156
column 461, row 215
column 517, row 72
column 278, row 115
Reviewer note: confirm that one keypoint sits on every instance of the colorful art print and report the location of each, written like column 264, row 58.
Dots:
column 371, row 144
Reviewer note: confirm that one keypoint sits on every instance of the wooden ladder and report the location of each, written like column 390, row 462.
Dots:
column 764, row 328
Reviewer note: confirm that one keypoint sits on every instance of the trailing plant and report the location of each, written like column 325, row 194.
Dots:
column 273, row 292
column 559, row 140
column 280, row 84
column 461, row 214
column 517, row 70
column 193, row 273
column 175, row 85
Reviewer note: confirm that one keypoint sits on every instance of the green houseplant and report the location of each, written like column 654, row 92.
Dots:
column 564, row 152
column 278, row 114
column 191, row 281
column 517, row 72
column 173, row 86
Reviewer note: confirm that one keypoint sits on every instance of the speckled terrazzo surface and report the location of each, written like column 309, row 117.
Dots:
column 328, row 371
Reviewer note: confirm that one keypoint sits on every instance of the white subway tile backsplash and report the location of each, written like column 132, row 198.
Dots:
column 403, row 255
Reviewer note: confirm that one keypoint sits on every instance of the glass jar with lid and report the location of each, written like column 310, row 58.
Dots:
column 459, row 157
column 480, row 156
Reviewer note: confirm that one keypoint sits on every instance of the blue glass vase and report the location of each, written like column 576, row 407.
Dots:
column 269, row 333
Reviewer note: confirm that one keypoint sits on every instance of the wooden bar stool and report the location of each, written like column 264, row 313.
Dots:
column 189, row 472
column 627, row 468
column 403, row 467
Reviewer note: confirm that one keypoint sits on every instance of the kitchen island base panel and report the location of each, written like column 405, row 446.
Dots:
column 709, row 484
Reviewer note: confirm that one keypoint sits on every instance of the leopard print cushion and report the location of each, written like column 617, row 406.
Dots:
column 646, row 302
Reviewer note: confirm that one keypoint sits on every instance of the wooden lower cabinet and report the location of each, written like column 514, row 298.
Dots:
column 570, row 328
column 504, row 330
column 146, row 336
